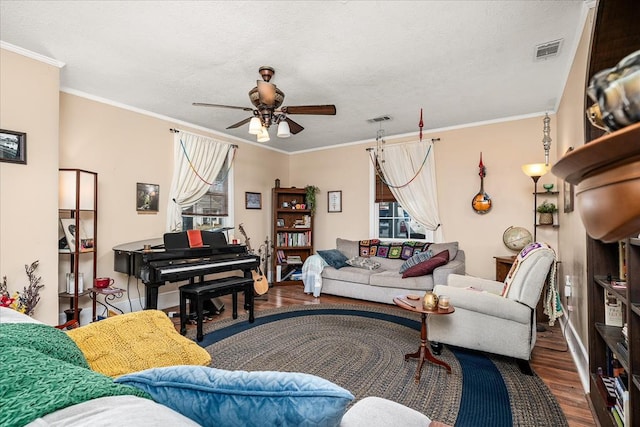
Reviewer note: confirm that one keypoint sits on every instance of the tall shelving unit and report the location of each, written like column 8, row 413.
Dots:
column 78, row 207
column 605, row 341
column 292, row 232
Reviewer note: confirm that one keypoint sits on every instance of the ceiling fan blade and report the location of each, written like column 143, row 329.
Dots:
column 240, row 123
column 266, row 92
column 204, row 104
column 325, row 110
column 293, row 126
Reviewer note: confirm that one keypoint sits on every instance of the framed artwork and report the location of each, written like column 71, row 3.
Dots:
column 280, row 222
column 568, row 197
column 253, row 200
column 13, row 147
column 334, row 201
column 147, row 198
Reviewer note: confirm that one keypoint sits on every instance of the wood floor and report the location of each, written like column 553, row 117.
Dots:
column 550, row 359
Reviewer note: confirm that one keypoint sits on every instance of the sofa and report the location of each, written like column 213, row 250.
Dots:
column 88, row 376
column 364, row 274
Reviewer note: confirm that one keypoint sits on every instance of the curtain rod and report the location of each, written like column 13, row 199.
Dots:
column 172, row 130
column 408, row 142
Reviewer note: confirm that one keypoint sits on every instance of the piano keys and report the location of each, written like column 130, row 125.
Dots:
column 170, row 259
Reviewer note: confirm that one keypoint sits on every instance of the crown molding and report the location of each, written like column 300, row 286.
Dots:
column 30, row 54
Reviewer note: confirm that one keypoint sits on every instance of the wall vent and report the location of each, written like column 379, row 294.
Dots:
column 379, row 119
column 548, row 50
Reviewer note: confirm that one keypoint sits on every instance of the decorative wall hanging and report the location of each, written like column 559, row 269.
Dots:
column 13, row 147
column 481, row 202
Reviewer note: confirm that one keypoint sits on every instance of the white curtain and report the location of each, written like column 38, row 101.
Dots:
column 197, row 160
column 420, row 197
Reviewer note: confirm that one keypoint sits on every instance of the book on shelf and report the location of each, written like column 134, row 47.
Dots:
column 612, row 310
column 622, row 260
column 294, row 260
column 281, row 256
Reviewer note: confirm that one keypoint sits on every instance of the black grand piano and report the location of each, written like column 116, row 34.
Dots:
column 173, row 259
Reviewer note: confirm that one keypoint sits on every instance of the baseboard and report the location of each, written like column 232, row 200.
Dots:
column 577, row 349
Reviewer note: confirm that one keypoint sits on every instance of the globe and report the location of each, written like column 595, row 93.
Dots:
column 516, row 238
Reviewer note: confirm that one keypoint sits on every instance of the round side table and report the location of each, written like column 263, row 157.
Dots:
column 423, row 353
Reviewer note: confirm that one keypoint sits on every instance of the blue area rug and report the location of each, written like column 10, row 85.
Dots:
column 362, row 348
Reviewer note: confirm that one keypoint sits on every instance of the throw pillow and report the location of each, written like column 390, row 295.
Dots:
column 415, row 260
column 35, row 384
column 362, row 262
column 427, row 267
column 135, row 341
column 216, row 397
column 334, row 258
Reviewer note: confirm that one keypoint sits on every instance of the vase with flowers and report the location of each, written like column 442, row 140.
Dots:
column 25, row 301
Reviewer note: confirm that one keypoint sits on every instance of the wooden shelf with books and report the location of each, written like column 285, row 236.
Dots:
column 292, row 234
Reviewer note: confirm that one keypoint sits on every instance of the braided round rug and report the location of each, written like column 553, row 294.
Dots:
column 362, row 349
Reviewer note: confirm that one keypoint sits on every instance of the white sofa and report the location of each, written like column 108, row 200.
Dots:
column 384, row 283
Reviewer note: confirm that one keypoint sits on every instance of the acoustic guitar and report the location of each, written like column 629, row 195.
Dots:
column 481, row 202
column 260, row 284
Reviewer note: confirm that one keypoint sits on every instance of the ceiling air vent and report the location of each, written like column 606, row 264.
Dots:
column 548, row 50
column 379, row 119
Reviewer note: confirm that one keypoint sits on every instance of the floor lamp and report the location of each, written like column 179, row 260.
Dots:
column 535, row 171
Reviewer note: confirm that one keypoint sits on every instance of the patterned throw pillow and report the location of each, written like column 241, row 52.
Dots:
column 427, row 267
column 415, row 260
column 363, row 262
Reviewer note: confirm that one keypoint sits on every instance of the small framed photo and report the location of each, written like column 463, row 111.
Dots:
column 147, row 198
column 13, row 147
column 334, row 201
column 280, row 222
column 568, row 197
column 253, row 200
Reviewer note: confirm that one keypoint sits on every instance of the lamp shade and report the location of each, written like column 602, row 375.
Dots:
column 283, row 130
column 263, row 136
column 255, row 126
column 535, row 169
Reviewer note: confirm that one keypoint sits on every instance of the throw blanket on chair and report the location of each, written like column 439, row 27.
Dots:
column 552, row 307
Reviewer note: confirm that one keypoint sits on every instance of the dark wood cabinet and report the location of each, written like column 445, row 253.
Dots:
column 292, row 234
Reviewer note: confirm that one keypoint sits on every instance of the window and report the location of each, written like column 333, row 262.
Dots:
column 212, row 210
column 392, row 221
column 395, row 223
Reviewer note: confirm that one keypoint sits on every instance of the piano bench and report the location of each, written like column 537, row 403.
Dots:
column 197, row 293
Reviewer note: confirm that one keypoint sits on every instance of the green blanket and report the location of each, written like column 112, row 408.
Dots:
column 43, row 371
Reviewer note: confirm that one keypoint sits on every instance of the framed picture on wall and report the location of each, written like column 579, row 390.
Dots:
column 253, row 200
column 13, row 146
column 568, row 197
column 147, row 198
column 335, row 201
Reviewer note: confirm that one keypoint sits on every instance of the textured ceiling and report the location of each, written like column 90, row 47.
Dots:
column 461, row 61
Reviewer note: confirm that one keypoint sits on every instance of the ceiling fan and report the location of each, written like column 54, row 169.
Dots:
column 267, row 99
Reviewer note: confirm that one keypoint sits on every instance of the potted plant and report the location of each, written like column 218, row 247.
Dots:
column 310, row 197
column 546, row 210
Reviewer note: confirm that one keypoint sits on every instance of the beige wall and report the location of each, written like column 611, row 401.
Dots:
column 125, row 147
column 506, row 146
column 572, row 238
column 29, row 193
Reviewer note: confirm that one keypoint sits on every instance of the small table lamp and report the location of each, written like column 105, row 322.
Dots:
column 535, row 171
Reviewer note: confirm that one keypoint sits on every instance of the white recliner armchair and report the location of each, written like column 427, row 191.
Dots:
column 484, row 318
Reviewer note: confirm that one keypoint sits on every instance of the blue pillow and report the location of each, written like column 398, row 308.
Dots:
column 216, row 397
column 334, row 258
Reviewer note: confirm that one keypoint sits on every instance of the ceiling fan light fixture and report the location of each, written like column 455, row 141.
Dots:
column 263, row 136
column 255, row 126
column 283, row 129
